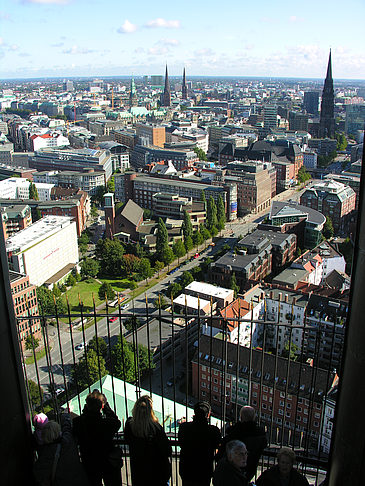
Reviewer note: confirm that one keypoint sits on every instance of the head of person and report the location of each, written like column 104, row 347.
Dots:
column 144, row 421
column 95, row 401
column 40, row 420
column 247, row 414
column 51, row 432
column 286, row 460
column 236, row 453
column 202, row 411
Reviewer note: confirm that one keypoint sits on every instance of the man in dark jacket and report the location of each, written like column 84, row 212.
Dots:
column 229, row 471
column 94, row 430
column 198, row 441
column 252, row 435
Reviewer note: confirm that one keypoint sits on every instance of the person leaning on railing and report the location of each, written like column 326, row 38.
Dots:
column 149, row 448
column 94, row 430
column 283, row 474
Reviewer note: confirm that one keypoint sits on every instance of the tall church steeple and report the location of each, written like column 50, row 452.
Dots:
column 133, row 93
column 327, row 117
column 166, row 97
column 184, row 88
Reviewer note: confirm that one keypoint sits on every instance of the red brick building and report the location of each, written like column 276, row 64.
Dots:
column 25, row 304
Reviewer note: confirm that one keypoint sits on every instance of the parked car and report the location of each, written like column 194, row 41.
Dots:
column 113, row 319
column 80, row 346
column 125, row 306
column 59, row 390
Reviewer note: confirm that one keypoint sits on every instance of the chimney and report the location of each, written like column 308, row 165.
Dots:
column 271, row 294
column 280, row 296
column 294, row 300
column 286, row 298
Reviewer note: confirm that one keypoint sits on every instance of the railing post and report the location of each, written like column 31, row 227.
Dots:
column 15, row 449
column 348, row 439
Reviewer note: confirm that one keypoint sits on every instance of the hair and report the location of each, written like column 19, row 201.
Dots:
column 51, row 432
column 232, row 446
column 289, row 453
column 95, row 401
column 247, row 414
column 201, row 411
column 144, row 421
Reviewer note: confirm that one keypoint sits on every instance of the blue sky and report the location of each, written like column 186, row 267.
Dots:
column 115, row 37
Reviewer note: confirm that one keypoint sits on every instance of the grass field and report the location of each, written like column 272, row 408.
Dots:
column 86, row 289
column 118, row 284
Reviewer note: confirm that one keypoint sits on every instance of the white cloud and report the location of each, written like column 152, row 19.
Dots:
column 168, row 42
column 127, row 28
column 294, row 18
column 167, row 24
column 77, row 50
column 158, row 50
column 48, row 2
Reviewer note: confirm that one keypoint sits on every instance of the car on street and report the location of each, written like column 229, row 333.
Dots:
column 59, row 390
column 125, row 306
column 80, row 346
column 196, row 255
column 113, row 319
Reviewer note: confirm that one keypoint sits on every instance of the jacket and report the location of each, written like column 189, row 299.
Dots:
column 226, row 474
column 149, row 456
column 69, row 470
column 254, row 438
column 271, row 477
column 198, row 441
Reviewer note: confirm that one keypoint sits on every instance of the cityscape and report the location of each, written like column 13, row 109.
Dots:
column 184, row 234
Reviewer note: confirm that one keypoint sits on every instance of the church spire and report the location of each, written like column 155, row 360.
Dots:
column 184, row 88
column 327, row 117
column 133, row 93
column 166, row 97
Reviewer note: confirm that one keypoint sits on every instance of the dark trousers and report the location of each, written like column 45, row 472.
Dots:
column 97, row 473
column 205, row 482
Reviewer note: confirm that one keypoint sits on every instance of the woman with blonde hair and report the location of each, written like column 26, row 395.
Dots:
column 149, row 446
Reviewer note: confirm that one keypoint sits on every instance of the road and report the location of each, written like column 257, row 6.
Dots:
column 63, row 341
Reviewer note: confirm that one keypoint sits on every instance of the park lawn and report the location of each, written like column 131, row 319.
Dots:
column 86, row 289
column 118, row 284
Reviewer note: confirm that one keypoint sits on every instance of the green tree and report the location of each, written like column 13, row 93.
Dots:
column 94, row 212
column 89, row 369
column 179, row 249
column 221, row 213
column 31, row 342
column 76, row 274
column 56, row 291
column 130, row 264
column 107, row 290
column 132, row 323
column 161, row 302
column 212, row 215
column 125, row 360
column 162, row 237
column 203, row 198
column 187, row 226
column 99, row 346
column 186, row 279
column 110, row 255
column 33, row 192
column 71, row 281
column 98, row 196
column 35, row 393
column 144, row 268
column 188, row 243
column 205, row 233
column 233, row 284
column 293, row 349
column 167, row 255
column 110, row 185
column 159, row 266
column 328, row 230
column 303, row 175
column 200, row 153
column 174, row 289
column 197, row 238
column 48, row 302
column 341, row 141
column 89, row 267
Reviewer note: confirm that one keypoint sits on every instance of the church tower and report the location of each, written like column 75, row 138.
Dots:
column 133, row 94
column 327, row 117
column 166, row 97
column 184, row 88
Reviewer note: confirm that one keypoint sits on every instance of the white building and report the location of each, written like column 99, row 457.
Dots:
column 328, row 418
column 310, row 159
column 18, row 188
column 44, row 249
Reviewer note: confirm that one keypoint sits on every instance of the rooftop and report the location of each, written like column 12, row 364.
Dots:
column 208, row 289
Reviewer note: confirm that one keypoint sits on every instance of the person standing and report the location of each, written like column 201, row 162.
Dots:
column 229, row 470
column 198, row 441
column 283, row 473
column 94, row 430
column 149, row 447
column 252, row 435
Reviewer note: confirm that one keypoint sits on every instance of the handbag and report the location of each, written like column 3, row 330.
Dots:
column 115, row 458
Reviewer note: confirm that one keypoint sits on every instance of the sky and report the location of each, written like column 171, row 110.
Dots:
column 278, row 38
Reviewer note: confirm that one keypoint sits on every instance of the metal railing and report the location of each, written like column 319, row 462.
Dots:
column 185, row 357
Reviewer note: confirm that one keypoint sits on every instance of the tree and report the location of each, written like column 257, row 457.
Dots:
column 159, row 266
column 197, row 238
column 125, row 360
column 212, row 215
column 200, row 153
column 98, row 196
column 132, row 323
column 205, row 233
column 144, row 268
column 89, row 268
column 189, row 243
column 221, row 213
column 167, row 255
column 174, row 289
column 110, row 254
column 56, row 291
column 179, row 249
column 35, row 393
column 107, row 290
column 233, row 285
column 203, row 198
column 341, row 141
column 31, row 342
column 293, row 349
column 99, row 346
column 161, row 302
column 328, row 230
column 303, row 175
column 187, row 226
column 94, row 211
column 71, row 281
column 110, row 185
column 76, row 274
column 33, row 192
column 186, row 279
column 89, row 369
column 83, row 242
column 48, row 302
column 130, row 264
column 162, row 238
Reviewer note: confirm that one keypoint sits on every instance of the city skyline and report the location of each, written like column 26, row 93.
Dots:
column 61, row 38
